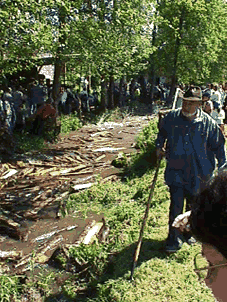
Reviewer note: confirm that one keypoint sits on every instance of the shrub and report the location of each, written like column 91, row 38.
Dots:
column 146, row 158
column 147, row 138
column 70, row 123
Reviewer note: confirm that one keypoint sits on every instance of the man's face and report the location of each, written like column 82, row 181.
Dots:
column 189, row 107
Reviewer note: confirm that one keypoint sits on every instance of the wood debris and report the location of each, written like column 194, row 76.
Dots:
column 36, row 185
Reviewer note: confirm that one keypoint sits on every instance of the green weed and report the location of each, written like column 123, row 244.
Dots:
column 10, row 288
column 27, row 142
column 146, row 159
column 70, row 123
column 147, row 138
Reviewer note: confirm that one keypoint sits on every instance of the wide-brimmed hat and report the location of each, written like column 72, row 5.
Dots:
column 194, row 93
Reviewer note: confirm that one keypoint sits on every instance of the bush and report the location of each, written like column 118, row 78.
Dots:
column 70, row 123
column 146, row 158
column 147, row 138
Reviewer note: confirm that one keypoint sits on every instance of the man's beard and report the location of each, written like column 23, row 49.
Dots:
column 189, row 114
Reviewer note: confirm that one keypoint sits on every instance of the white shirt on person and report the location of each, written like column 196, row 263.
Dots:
column 218, row 116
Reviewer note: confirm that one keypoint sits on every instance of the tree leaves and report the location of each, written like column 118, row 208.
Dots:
column 115, row 37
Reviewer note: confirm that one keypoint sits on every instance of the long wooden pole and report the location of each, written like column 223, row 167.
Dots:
column 137, row 250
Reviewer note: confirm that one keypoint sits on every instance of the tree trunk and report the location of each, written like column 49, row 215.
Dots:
column 56, row 83
column 111, row 93
column 177, row 47
column 152, row 62
column 103, row 94
column 121, row 93
column 58, row 63
column 142, row 83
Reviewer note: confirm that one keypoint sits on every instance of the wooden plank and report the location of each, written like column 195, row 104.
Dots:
column 100, row 157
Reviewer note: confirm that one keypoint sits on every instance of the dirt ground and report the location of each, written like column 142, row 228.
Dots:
column 35, row 185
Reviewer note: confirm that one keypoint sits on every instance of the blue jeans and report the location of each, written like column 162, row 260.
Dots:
column 177, row 196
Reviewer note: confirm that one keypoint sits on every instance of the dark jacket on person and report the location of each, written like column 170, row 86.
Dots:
column 191, row 149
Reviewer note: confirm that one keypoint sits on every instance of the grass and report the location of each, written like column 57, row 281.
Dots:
column 106, row 266
column 158, row 277
column 70, row 123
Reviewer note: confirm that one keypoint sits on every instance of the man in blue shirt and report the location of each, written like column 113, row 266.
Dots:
column 193, row 142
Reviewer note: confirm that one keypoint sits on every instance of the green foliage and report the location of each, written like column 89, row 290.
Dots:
column 147, row 138
column 43, row 281
column 70, row 123
column 158, row 279
column 191, row 39
column 27, row 142
column 146, row 159
column 10, row 288
column 120, row 161
column 93, row 256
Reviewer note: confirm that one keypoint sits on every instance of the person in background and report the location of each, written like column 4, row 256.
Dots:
column 218, row 114
column 38, row 94
column 7, row 99
column 84, row 100
column 193, row 142
column 62, row 97
column 212, row 91
column 207, row 221
column 216, row 96
column 18, row 100
column 49, row 88
column 207, row 103
column 207, row 89
column 225, row 108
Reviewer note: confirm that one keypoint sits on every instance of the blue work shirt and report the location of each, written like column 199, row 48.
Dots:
column 191, row 149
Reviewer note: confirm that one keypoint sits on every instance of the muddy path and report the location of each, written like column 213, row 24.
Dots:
column 35, row 185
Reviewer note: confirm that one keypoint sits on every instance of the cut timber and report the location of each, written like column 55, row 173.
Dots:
column 83, row 186
column 10, row 173
column 100, row 157
column 65, row 171
column 11, row 255
column 92, row 233
column 108, row 149
column 44, row 237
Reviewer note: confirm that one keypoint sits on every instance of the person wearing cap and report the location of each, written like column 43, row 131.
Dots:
column 207, row 103
column 193, row 142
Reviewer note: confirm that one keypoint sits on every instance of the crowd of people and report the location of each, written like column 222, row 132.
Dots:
column 19, row 105
column 215, row 105
column 22, row 106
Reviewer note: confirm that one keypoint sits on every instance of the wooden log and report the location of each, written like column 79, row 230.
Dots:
column 11, row 255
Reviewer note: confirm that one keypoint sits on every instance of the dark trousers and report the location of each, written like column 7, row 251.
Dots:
column 177, row 195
